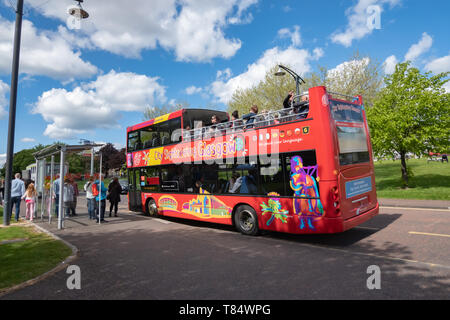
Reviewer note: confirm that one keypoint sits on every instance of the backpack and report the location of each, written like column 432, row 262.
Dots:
column 95, row 190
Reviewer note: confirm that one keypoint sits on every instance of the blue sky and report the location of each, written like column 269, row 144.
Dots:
column 93, row 81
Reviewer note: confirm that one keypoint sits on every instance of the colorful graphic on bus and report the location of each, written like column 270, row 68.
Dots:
column 307, row 204
column 205, row 205
column 168, row 203
column 273, row 207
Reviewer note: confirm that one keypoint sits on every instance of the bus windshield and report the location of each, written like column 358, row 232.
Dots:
column 351, row 132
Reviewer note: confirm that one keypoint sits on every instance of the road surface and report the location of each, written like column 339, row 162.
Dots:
column 137, row 257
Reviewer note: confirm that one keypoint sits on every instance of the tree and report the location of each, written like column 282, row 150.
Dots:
column 23, row 159
column 156, row 111
column 118, row 160
column 112, row 158
column 358, row 76
column 77, row 164
column 267, row 94
column 411, row 114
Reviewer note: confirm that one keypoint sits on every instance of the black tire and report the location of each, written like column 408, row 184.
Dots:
column 246, row 220
column 151, row 208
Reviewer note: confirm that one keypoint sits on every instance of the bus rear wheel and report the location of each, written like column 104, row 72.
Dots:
column 152, row 209
column 246, row 220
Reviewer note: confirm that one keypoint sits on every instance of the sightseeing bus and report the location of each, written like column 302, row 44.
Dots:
column 303, row 170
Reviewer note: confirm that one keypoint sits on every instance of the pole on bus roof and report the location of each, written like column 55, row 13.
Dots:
column 293, row 74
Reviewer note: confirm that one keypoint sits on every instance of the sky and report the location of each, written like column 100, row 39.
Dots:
column 91, row 79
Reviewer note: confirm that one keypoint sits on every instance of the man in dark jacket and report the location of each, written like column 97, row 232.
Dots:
column 114, row 191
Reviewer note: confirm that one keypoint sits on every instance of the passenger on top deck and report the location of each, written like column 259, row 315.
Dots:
column 302, row 107
column 287, row 103
column 214, row 127
column 236, row 123
column 250, row 117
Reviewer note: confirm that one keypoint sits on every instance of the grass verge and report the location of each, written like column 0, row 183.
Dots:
column 431, row 180
column 25, row 260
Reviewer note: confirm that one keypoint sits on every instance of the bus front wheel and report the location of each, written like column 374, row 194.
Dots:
column 152, row 209
column 246, row 220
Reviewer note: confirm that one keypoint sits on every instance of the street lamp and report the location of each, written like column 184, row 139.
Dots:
column 12, row 113
column 297, row 78
column 79, row 13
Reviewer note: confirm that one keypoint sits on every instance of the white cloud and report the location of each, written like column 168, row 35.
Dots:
column 447, row 87
column 293, row 35
column 358, row 16
column 119, row 145
column 2, row 159
column 224, row 74
column 193, row 29
column 96, row 104
column 4, row 88
column 419, row 48
column 439, row 65
column 28, row 140
column 389, row 64
column 298, row 59
column 43, row 53
column 350, row 66
column 193, row 90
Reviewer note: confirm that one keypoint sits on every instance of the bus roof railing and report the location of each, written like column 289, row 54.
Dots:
column 342, row 95
column 259, row 120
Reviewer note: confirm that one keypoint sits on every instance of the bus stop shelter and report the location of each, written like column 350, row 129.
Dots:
column 50, row 152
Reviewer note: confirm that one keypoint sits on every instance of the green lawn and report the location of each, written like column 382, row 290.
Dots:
column 13, row 217
column 22, row 261
column 431, row 180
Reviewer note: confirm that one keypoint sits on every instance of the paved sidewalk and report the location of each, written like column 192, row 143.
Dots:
column 409, row 203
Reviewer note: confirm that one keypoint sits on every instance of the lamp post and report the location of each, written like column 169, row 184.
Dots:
column 292, row 73
column 12, row 112
column 79, row 13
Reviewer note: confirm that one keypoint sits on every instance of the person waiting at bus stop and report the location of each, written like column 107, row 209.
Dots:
column 101, row 197
column 17, row 190
column 114, row 191
column 56, row 185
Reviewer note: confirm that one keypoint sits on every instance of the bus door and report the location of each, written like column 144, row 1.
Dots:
column 134, row 193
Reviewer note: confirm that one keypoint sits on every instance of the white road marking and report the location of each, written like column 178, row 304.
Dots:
column 420, row 209
column 430, row 234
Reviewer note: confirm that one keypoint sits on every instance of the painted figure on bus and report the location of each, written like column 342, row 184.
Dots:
column 273, row 207
column 307, row 206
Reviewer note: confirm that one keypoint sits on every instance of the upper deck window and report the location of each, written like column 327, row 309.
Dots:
column 156, row 135
column 351, row 132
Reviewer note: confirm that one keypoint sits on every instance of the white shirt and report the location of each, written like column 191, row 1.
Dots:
column 236, row 185
column 88, row 189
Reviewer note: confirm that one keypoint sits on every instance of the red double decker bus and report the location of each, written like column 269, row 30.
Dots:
column 305, row 169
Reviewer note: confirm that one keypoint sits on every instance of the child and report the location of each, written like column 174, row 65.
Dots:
column 30, row 200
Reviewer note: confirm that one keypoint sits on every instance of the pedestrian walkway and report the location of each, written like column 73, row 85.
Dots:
column 410, row 203
column 82, row 218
